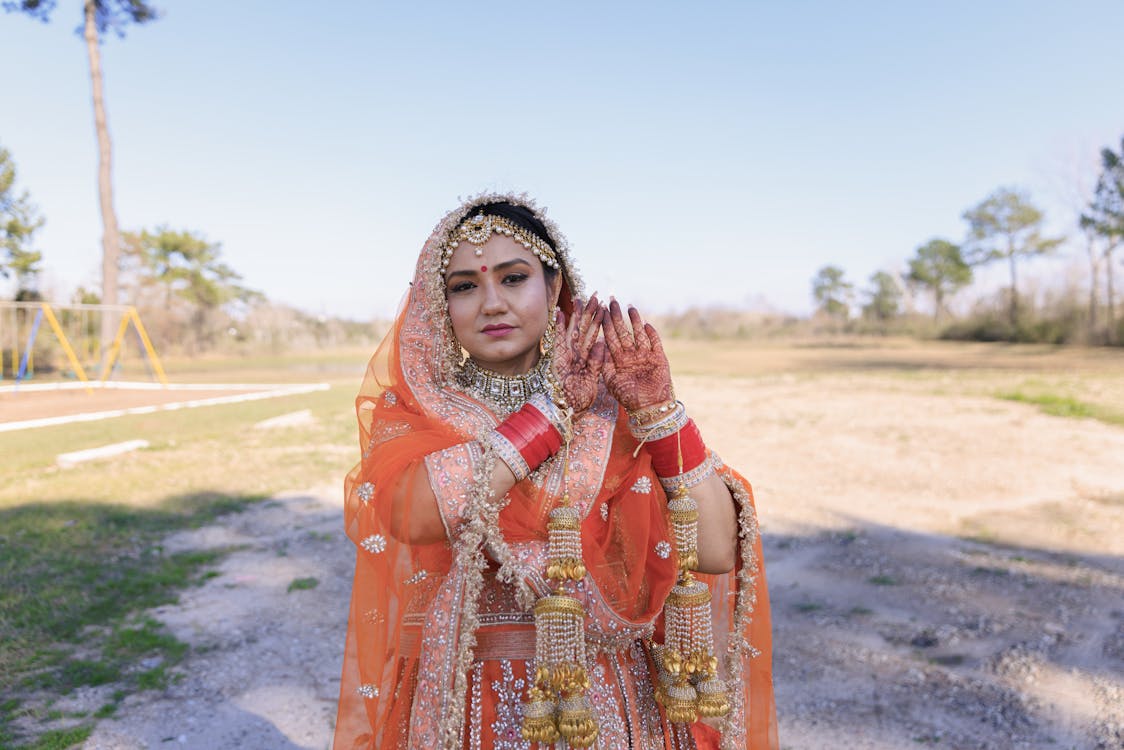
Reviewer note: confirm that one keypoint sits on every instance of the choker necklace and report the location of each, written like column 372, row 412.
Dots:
column 504, row 393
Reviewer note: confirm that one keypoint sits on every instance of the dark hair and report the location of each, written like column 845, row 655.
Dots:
column 522, row 217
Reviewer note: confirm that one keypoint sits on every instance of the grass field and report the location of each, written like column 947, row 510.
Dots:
column 80, row 549
column 80, row 552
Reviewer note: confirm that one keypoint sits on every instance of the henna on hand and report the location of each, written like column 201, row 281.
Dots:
column 636, row 370
column 578, row 355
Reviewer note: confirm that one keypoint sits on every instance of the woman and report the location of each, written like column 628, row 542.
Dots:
column 547, row 551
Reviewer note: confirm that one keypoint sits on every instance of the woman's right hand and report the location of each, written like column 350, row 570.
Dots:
column 578, row 355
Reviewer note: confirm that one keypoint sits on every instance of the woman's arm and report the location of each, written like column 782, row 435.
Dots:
column 718, row 526
column 416, row 515
column 638, row 374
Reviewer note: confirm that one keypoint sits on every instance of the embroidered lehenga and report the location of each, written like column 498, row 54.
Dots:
column 441, row 639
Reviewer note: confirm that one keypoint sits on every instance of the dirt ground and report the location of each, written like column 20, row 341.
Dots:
column 945, row 571
column 24, row 405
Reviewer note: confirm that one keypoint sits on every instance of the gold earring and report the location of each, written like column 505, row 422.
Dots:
column 549, row 336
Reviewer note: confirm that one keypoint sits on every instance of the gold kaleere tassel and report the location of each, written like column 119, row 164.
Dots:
column 556, row 705
column 538, row 714
column 689, row 686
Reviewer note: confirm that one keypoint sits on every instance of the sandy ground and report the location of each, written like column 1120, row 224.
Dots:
column 945, row 571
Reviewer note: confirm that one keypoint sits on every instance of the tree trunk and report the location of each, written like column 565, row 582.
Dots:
column 110, row 240
column 1109, row 273
column 1014, row 291
column 938, row 303
column 1094, row 273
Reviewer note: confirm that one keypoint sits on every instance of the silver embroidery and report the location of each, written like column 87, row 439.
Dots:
column 643, row 485
column 365, row 492
column 416, row 577
column 386, row 431
column 368, row 691
column 390, row 397
column 508, row 726
column 476, row 710
column 646, row 709
column 663, row 549
column 603, row 700
column 374, row 544
column 604, row 511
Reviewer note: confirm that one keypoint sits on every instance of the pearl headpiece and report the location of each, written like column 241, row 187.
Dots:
column 478, row 229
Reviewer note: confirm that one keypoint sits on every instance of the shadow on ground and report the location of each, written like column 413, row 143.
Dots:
column 887, row 639
column 883, row 638
column 76, row 578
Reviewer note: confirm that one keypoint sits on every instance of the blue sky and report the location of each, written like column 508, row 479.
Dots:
column 693, row 153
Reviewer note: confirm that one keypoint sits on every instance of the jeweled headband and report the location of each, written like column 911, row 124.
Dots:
column 478, row 229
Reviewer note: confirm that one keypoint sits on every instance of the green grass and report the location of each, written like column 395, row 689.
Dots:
column 30, row 455
column 72, row 575
column 81, row 549
column 303, row 584
column 1065, row 406
column 986, row 570
column 882, row 580
column 57, row 739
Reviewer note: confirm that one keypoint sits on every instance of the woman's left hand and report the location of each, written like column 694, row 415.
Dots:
column 636, row 371
column 578, row 355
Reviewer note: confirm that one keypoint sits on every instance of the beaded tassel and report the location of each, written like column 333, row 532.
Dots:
column 556, row 705
column 689, row 686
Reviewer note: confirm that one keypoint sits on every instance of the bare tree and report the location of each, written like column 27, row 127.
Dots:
column 98, row 16
column 1072, row 180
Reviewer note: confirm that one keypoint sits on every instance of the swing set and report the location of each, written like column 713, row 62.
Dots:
column 21, row 324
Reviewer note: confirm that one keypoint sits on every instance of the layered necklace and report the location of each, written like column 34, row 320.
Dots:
column 504, row 393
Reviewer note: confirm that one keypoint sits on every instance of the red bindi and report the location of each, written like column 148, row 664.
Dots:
column 483, row 269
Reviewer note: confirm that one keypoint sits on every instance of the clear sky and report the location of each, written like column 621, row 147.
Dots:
column 693, row 153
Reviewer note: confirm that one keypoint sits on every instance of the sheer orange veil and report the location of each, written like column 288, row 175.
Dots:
column 413, row 617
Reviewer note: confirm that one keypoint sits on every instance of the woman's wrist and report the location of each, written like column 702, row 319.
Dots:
column 530, row 435
column 690, row 477
column 671, row 417
column 652, row 413
column 679, row 455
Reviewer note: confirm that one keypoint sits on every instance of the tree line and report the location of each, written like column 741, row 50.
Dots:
column 189, row 297
column 1006, row 227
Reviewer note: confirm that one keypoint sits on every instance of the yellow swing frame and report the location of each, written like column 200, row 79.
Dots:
column 129, row 315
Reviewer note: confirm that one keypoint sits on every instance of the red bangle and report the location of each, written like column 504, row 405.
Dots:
column 532, row 434
column 665, row 451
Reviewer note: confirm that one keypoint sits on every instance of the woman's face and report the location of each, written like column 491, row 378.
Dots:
column 499, row 303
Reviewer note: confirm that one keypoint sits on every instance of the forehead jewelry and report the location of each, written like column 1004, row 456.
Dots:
column 478, row 229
